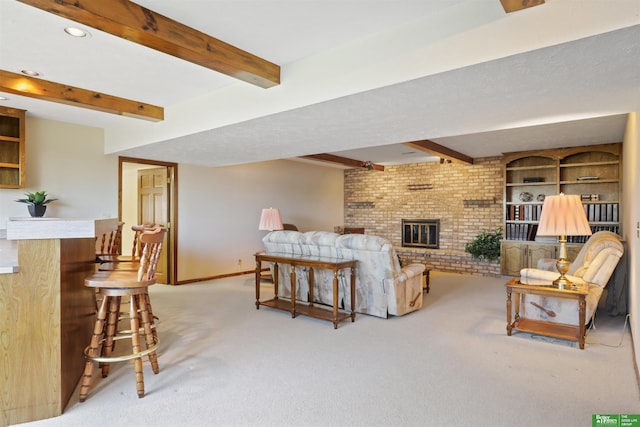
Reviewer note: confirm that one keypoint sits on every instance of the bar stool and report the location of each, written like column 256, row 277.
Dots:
column 136, row 250
column 109, row 244
column 112, row 286
column 126, row 262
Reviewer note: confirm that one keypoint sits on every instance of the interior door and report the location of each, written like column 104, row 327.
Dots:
column 153, row 208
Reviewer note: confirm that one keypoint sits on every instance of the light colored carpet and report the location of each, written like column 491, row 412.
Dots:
column 224, row 363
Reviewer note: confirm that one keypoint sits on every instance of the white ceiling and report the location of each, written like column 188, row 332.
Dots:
column 573, row 93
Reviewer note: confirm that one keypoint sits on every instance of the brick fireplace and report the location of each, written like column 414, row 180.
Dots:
column 465, row 199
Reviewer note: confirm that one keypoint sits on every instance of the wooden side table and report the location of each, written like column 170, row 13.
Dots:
column 541, row 327
column 309, row 309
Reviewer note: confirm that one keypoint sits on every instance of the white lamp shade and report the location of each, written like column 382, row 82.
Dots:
column 563, row 215
column 270, row 219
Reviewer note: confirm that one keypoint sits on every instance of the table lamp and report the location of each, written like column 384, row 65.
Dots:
column 270, row 219
column 562, row 216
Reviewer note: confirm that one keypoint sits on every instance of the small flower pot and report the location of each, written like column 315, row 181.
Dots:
column 37, row 210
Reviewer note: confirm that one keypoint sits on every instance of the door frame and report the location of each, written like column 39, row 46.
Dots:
column 172, row 214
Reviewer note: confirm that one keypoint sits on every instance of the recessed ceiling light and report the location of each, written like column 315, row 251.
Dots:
column 31, row 73
column 77, row 32
column 3, row 98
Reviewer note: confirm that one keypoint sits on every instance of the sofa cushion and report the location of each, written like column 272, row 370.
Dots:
column 319, row 243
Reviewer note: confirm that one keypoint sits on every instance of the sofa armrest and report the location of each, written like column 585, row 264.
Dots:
column 413, row 270
column 404, row 292
column 535, row 276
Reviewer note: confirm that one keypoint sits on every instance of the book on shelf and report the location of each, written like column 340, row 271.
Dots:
column 602, row 212
column 521, row 231
column 524, row 212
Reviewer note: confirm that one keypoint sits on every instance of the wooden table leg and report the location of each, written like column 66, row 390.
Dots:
column 312, row 280
column 581, row 318
column 335, row 298
column 293, row 291
column 276, row 274
column 258, row 273
column 426, row 280
column 509, row 327
column 353, row 294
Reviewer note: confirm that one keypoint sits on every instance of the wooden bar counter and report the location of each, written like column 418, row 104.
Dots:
column 46, row 313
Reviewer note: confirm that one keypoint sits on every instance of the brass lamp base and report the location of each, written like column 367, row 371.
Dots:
column 562, row 282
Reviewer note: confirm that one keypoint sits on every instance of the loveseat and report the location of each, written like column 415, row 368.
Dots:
column 382, row 286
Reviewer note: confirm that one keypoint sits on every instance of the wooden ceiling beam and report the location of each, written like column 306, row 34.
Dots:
column 132, row 22
column 438, row 150
column 326, row 157
column 516, row 5
column 55, row 92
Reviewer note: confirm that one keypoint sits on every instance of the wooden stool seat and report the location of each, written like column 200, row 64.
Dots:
column 116, row 279
column 112, row 286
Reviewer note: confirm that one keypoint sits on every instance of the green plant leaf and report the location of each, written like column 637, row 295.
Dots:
column 37, row 198
column 486, row 245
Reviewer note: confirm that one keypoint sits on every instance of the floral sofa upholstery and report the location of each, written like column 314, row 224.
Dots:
column 382, row 286
column 593, row 266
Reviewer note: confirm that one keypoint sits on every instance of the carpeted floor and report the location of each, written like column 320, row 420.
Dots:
column 224, row 363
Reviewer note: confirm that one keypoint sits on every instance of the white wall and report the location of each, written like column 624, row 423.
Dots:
column 219, row 210
column 68, row 162
column 631, row 199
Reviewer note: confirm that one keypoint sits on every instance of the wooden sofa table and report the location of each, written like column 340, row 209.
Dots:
column 309, row 309
column 541, row 327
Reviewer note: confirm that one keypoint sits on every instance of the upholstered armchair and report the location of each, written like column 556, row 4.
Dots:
column 593, row 267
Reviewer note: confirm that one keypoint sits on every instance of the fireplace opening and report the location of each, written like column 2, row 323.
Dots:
column 421, row 233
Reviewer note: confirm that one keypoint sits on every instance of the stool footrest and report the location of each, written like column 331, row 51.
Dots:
column 123, row 358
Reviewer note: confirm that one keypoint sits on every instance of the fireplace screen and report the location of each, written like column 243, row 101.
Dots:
column 420, row 233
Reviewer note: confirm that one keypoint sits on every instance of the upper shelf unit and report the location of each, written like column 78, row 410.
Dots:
column 12, row 149
column 593, row 172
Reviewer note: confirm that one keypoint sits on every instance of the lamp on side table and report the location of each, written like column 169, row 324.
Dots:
column 562, row 216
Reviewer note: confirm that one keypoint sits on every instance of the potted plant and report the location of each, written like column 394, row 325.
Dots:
column 486, row 245
column 37, row 203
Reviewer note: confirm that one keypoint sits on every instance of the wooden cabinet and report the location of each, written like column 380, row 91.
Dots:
column 515, row 256
column 12, row 172
column 593, row 172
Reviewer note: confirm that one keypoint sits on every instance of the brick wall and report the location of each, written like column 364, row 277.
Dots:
column 467, row 199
